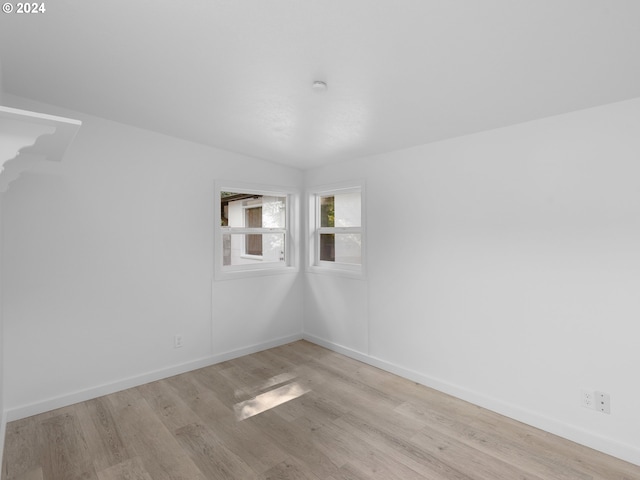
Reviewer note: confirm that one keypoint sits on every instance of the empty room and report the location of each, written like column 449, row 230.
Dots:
column 320, row 240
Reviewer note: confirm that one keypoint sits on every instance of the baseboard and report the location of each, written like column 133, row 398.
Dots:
column 603, row 444
column 24, row 411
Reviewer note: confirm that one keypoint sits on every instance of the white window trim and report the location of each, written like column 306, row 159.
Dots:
column 314, row 264
column 290, row 265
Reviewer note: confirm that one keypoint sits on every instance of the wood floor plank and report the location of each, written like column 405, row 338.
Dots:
column 358, row 458
column 347, row 472
column 201, row 397
column 346, row 421
column 66, row 454
column 356, row 472
column 274, row 362
column 313, row 409
column 243, row 380
column 478, row 464
column 291, row 439
column 225, row 390
column 499, row 446
column 532, row 450
column 355, row 386
column 132, row 469
column 154, row 444
column 101, row 433
column 256, row 368
column 204, row 447
column 247, row 441
column 167, row 404
column 401, row 449
column 33, row 474
column 292, row 355
column 290, row 469
column 23, row 450
column 210, row 454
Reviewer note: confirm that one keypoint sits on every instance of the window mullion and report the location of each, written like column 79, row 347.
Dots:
column 334, row 230
column 251, row 230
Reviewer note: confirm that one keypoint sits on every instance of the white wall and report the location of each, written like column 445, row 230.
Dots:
column 109, row 254
column 503, row 267
column 2, row 415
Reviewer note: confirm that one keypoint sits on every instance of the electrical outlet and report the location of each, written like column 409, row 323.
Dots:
column 603, row 402
column 588, row 399
column 177, row 341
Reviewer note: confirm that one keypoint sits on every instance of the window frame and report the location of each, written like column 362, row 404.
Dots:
column 290, row 264
column 314, row 264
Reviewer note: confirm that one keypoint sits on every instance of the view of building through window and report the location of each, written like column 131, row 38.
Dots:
column 254, row 228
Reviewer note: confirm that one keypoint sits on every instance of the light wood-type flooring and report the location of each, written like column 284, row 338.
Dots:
column 340, row 420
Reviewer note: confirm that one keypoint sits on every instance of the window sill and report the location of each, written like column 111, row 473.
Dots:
column 251, row 257
column 355, row 273
column 236, row 274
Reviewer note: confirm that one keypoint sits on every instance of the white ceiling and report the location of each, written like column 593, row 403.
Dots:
column 237, row 74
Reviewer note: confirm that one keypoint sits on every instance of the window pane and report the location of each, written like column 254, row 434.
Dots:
column 347, row 210
column 274, row 212
column 273, row 247
column 253, row 218
column 250, row 210
column 253, row 245
column 235, row 248
column 348, row 248
column 328, row 247
column 341, row 248
column 327, row 212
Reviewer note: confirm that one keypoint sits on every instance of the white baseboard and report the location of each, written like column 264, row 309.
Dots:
column 28, row 410
column 606, row 445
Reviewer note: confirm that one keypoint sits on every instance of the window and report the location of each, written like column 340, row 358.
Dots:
column 253, row 233
column 337, row 230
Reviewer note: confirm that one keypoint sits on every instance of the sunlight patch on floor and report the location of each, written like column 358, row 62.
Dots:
column 272, row 382
column 269, row 400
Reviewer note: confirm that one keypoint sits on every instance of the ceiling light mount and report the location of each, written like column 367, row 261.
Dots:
column 319, row 86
